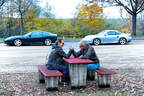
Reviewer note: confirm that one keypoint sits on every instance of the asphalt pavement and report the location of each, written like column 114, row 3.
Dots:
column 114, row 56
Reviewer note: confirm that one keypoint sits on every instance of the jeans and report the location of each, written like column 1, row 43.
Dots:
column 63, row 69
column 91, row 67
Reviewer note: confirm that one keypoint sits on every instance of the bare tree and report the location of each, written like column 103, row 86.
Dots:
column 22, row 7
column 2, row 2
column 133, row 7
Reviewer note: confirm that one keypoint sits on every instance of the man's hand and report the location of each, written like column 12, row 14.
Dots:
column 71, row 48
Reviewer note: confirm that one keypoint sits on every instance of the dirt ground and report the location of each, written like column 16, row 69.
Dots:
column 26, row 84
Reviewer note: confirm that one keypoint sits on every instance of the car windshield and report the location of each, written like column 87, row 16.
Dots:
column 28, row 34
column 46, row 33
column 102, row 32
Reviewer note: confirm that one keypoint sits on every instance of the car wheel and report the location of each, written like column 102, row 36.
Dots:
column 122, row 41
column 47, row 42
column 17, row 42
column 96, row 41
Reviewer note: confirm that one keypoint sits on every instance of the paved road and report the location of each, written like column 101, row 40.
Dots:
column 25, row 58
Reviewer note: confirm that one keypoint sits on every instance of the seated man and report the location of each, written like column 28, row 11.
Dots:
column 55, row 60
column 87, row 52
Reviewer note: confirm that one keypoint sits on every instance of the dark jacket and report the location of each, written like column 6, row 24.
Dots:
column 55, row 57
column 88, row 53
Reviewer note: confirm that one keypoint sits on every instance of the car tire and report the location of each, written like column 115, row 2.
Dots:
column 47, row 42
column 96, row 42
column 122, row 41
column 17, row 42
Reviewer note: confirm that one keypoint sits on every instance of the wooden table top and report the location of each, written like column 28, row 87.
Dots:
column 78, row 61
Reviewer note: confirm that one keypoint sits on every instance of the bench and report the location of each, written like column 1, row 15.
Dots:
column 49, row 77
column 103, row 76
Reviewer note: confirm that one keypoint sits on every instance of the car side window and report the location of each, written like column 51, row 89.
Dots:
column 45, row 34
column 36, row 34
column 111, row 33
column 118, row 33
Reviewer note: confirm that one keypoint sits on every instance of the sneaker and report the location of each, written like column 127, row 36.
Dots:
column 65, row 83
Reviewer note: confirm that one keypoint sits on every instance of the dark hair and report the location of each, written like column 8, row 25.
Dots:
column 58, row 41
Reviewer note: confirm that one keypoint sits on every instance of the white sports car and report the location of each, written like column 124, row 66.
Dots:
column 108, row 36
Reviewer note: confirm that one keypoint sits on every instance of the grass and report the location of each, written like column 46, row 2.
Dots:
column 104, row 94
column 3, row 84
column 70, row 38
column 138, row 37
column 1, row 38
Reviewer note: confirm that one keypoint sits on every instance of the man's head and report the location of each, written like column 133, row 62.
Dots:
column 83, row 44
column 60, row 42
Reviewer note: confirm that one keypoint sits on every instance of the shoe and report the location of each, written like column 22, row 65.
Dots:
column 65, row 83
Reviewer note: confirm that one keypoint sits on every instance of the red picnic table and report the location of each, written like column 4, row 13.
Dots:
column 78, row 71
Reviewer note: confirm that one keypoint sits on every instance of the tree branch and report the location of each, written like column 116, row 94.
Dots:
column 140, row 11
column 132, row 5
column 129, row 11
column 26, row 6
column 2, row 2
column 125, row 7
column 142, row 4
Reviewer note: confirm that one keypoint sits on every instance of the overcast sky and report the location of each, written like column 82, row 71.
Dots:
column 67, row 8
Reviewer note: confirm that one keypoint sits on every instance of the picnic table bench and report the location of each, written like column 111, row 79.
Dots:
column 49, row 77
column 104, row 77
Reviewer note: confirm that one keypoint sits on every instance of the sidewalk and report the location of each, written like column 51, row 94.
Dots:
column 1, row 41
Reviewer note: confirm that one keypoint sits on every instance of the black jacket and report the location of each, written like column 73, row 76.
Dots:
column 55, row 58
column 88, row 53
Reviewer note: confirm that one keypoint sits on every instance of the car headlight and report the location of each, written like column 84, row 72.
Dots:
column 9, row 38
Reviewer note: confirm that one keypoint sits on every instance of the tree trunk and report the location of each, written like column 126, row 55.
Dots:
column 21, row 26
column 134, row 21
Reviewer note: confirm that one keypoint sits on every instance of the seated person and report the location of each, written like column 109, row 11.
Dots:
column 55, row 60
column 87, row 52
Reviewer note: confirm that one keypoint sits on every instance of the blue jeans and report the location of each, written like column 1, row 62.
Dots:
column 91, row 67
column 63, row 69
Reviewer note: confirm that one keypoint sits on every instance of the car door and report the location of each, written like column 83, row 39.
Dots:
column 111, row 37
column 27, row 38
column 103, row 37
column 36, row 37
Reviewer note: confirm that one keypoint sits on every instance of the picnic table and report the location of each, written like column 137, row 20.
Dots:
column 78, row 71
column 78, row 74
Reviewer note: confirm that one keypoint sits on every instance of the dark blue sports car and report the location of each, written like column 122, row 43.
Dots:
column 34, row 37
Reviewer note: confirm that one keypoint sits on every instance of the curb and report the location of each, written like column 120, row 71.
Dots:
column 1, row 41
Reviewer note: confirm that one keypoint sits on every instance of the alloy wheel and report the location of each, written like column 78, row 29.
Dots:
column 48, row 42
column 17, row 42
column 122, row 41
column 96, row 42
